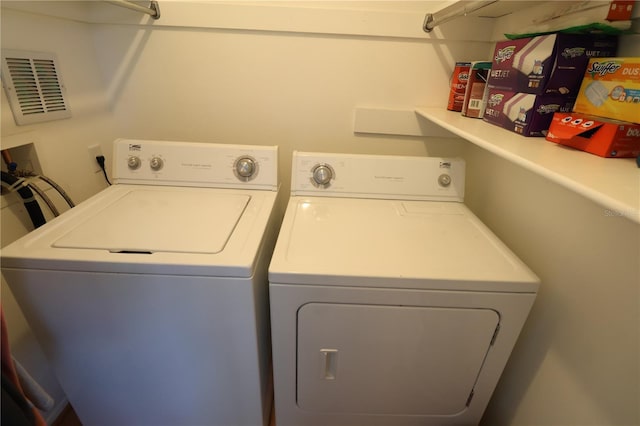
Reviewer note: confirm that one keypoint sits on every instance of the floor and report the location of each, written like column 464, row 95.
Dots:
column 69, row 418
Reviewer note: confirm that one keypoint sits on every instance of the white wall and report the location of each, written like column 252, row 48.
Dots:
column 295, row 90
column 62, row 145
column 577, row 360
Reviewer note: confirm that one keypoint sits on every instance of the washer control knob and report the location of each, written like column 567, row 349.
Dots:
column 444, row 180
column 322, row 174
column 156, row 164
column 245, row 168
column 134, row 162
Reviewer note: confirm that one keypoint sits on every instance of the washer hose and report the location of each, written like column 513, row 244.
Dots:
column 13, row 183
column 57, row 188
column 45, row 198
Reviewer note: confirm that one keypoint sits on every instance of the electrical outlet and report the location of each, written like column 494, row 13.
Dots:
column 95, row 151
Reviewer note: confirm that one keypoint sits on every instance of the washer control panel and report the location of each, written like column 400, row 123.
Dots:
column 195, row 164
column 378, row 176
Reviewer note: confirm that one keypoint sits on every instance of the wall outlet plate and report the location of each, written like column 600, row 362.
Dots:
column 95, row 151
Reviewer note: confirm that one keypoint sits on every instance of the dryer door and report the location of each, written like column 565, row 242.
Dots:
column 390, row 359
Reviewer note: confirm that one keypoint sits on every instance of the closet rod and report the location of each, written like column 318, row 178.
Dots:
column 460, row 8
column 153, row 9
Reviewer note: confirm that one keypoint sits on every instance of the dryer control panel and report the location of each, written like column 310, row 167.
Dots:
column 378, row 176
column 176, row 163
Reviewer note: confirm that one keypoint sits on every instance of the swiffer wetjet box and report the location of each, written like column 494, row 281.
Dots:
column 611, row 89
column 547, row 64
column 523, row 113
column 597, row 135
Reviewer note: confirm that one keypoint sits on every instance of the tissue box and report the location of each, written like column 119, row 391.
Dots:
column 547, row 64
column 599, row 136
column 611, row 89
column 524, row 113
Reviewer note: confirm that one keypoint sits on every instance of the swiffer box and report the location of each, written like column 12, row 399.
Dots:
column 547, row 64
column 523, row 113
column 611, row 89
column 599, row 136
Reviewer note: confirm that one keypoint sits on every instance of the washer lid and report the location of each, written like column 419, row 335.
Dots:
column 171, row 220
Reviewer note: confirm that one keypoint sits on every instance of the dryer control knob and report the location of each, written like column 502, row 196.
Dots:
column 156, row 164
column 134, row 162
column 444, row 180
column 245, row 168
column 322, row 174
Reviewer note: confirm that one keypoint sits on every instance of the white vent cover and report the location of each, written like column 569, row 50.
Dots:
column 33, row 86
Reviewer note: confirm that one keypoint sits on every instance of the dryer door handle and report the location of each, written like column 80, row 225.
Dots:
column 329, row 359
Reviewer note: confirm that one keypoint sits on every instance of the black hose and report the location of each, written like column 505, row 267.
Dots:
column 45, row 198
column 30, row 203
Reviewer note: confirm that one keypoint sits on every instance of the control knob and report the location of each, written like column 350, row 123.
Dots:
column 156, row 164
column 321, row 175
column 134, row 162
column 245, row 168
column 444, row 180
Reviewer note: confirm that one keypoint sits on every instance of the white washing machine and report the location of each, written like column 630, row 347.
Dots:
column 150, row 299
column 391, row 303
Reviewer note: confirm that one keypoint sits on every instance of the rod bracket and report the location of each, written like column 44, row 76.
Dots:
column 456, row 10
column 153, row 10
column 428, row 23
column 156, row 9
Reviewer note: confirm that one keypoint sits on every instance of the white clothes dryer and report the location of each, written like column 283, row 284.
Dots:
column 150, row 299
column 391, row 303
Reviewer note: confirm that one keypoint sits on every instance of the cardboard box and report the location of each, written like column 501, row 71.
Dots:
column 611, row 89
column 547, row 64
column 458, row 85
column 620, row 10
column 475, row 96
column 524, row 113
column 599, row 136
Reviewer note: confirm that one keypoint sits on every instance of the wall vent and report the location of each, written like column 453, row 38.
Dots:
column 33, row 86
